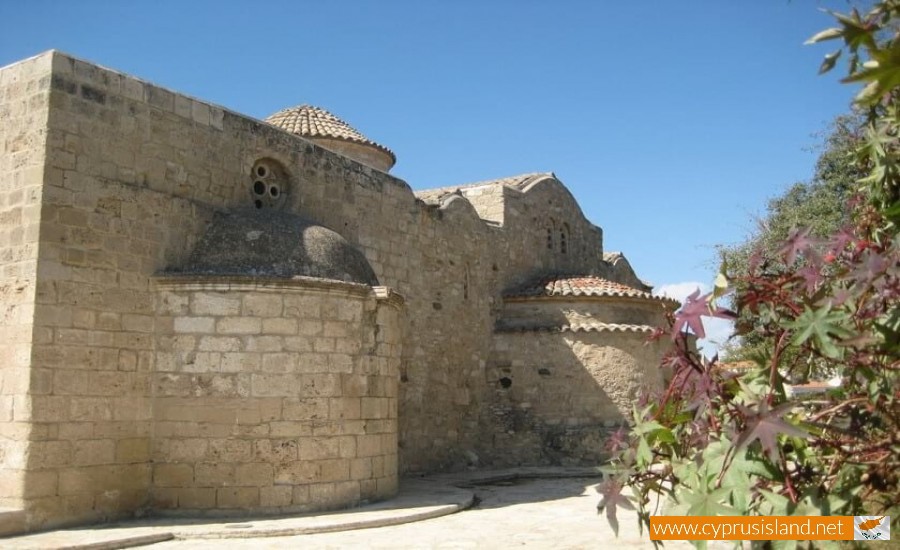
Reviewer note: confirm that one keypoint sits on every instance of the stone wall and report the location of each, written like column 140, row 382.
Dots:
column 566, row 371
column 131, row 176
column 274, row 397
column 557, row 395
column 24, row 93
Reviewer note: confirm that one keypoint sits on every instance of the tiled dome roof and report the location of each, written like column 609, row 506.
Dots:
column 562, row 285
column 313, row 122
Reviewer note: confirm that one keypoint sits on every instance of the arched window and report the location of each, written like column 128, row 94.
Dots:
column 549, row 239
column 564, row 239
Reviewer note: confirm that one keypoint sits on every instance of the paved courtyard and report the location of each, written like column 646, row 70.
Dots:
column 517, row 508
column 536, row 513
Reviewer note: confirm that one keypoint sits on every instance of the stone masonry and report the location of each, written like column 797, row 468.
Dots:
column 204, row 313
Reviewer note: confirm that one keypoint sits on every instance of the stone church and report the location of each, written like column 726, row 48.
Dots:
column 202, row 313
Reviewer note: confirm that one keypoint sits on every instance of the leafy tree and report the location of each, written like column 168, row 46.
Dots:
column 717, row 443
column 821, row 205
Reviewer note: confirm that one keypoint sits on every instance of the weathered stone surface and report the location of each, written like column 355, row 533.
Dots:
column 267, row 345
column 265, row 243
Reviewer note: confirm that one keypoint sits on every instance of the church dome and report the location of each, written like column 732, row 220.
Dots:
column 275, row 244
column 322, row 127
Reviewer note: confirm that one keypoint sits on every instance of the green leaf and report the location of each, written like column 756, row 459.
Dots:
column 644, row 455
column 827, row 34
column 784, row 544
column 662, row 435
column 777, row 505
column 711, row 503
column 647, row 427
column 821, row 324
column 829, row 62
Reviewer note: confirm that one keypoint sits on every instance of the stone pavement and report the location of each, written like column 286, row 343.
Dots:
column 530, row 507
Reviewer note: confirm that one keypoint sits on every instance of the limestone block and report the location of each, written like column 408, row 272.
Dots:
column 256, row 474
column 95, row 479
column 276, row 496
column 374, row 407
column 361, row 468
column 132, row 450
column 262, row 305
column 279, row 326
column 369, row 445
column 301, row 344
column 340, row 363
column 137, row 323
column 307, row 327
column 304, row 409
column 368, row 489
column 187, row 450
column 214, row 304
column 94, row 451
column 347, row 446
column 324, row 345
column 87, row 409
column 279, row 362
column 214, row 474
column 275, row 451
column 163, row 498
column 300, row 495
column 344, row 408
column 197, row 498
column 320, row 385
column 50, row 454
column 264, row 343
column 290, row 429
column 219, row 343
column 386, row 486
column 356, row 385
column 229, row 450
column 335, row 329
column 240, row 362
column 318, row 448
column 274, row 385
column 347, row 491
column 308, row 307
column 204, row 325
column 40, row 484
column 173, row 475
column 70, row 382
column 296, row 473
column 238, row 325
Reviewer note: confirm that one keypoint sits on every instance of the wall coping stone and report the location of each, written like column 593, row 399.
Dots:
column 225, row 283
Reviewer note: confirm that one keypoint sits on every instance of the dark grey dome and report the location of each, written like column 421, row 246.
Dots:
column 268, row 243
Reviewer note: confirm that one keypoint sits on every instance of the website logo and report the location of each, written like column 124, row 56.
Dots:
column 871, row 527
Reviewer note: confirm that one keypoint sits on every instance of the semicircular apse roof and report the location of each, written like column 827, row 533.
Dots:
column 275, row 244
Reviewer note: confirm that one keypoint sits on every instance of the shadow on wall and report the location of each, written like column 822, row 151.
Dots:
column 557, row 396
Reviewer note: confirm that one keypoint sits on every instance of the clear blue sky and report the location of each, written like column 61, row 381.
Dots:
column 671, row 122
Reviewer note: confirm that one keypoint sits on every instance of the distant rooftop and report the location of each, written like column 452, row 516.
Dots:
column 519, row 182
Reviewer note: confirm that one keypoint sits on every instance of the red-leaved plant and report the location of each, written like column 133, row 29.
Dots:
column 740, row 442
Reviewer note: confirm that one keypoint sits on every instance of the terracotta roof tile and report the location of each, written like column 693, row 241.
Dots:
column 561, row 285
column 314, row 122
column 584, row 326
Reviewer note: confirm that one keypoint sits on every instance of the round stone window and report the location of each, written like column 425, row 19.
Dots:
column 267, row 184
